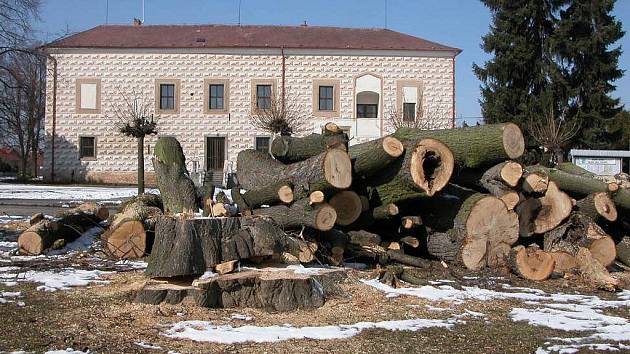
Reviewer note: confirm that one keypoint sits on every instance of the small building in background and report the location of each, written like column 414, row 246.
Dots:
column 600, row 162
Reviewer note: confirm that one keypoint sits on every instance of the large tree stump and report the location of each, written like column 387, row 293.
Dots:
column 301, row 213
column 290, row 149
column 531, row 263
column 328, row 171
column 185, row 247
column 474, row 147
column 68, row 226
column 176, row 188
column 131, row 231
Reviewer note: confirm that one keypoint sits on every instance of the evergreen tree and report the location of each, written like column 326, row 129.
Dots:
column 583, row 42
column 522, row 69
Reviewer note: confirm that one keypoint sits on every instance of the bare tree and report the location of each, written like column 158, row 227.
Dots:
column 426, row 115
column 22, row 106
column 283, row 117
column 135, row 119
column 553, row 132
column 15, row 20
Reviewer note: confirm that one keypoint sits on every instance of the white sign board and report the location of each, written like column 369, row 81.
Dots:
column 603, row 166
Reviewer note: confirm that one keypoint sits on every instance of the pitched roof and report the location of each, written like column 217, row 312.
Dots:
column 233, row 36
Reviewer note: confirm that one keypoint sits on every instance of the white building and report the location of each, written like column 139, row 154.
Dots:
column 204, row 80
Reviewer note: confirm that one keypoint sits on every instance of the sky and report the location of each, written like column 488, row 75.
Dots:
column 457, row 23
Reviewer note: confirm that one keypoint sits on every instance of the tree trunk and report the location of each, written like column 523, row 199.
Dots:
column 176, row 188
column 531, row 263
column 289, row 149
column 441, row 246
column 301, row 213
column 328, row 171
column 186, row 247
column 598, row 206
column 347, row 205
column 474, row 147
column 140, row 165
column 69, row 226
column 574, row 169
column 372, row 157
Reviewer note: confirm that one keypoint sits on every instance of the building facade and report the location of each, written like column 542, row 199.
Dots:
column 203, row 84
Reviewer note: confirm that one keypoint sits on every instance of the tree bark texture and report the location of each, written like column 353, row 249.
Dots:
column 177, row 190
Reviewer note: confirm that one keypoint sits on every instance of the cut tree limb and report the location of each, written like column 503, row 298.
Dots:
column 531, row 263
column 598, row 206
column 623, row 251
column 275, row 193
column 347, row 205
column 371, row 157
column 535, row 182
column 289, row 149
column 555, row 207
column 301, row 213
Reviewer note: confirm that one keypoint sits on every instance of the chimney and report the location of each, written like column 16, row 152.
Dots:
column 137, row 22
column 304, row 24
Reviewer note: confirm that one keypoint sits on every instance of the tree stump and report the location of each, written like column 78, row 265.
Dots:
column 177, row 190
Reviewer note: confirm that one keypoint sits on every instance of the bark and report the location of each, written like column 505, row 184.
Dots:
column 140, row 165
column 276, row 193
column 474, row 147
column 531, row 263
column 289, row 149
column 185, row 247
column 400, row 257
column 363, row 238
column 301, row 213
column 623, row 251
column 332, row 243
column 328, row 171
column 498, row 180
column 68, row 226
column 442, row 246
column 372, row 157
column 176, row 188
column 593, row 272
column 598, row 206
column 555, row 207
column 574, row 169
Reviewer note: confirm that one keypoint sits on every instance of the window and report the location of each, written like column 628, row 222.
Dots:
column 167, row 96
column 262, row 143
column 87, row 147
column 367, row 110
column 263, row 97
column 409, row 112
column 88, row 92
column 326, row 98
column 217, row 93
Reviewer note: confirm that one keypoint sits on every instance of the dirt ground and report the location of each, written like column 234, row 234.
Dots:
column 102, row 319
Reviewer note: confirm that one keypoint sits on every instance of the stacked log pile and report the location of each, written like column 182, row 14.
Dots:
column 457, row 196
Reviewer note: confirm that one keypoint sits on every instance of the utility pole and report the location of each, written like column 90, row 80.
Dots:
column 239, row 12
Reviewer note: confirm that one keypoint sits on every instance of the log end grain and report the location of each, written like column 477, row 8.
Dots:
column 603, row 250
column 127, row 241
column 347, row 205
column 325, row 218
column 510, row 199
column 392, row 146
column 532, row 263
column 338, row 168
column 511, row 173
column 432, row 165
column 513, row 140
column 556, row 206
column 285, row 194
column 535, row 182
column 30, row 243
column 605, row 206
column 316, row 197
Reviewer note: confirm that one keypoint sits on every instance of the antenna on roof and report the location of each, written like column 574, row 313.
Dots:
column 142, row 11
column 107, row 12
column 239, row 12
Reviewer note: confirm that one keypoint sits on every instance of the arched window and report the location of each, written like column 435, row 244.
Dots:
column 367, row 96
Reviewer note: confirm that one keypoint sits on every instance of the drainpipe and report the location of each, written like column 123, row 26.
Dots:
column 283, row 77
column 54, row 118
column 453, row 109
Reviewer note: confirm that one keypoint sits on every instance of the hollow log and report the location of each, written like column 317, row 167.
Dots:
column 579, row 231
column 598, row 206
column 69, row 226
column 177, row 190
column 531, row 263
column 185, row 247
column 328, row 171
column 301, row 213
column 474, row 147
column 347, row 205
column 290, row 149
column 371, row 157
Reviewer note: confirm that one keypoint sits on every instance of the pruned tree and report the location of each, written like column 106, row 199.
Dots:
column 15, row 20
column 553, row 132
column 284, row 116
column 22, row 106
column 429, row 115
column 135, row 119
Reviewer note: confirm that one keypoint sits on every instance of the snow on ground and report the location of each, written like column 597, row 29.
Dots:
column 39, row 192
column 147, row 345
column 204, row 331
column 52, row 280
column 82, row 243
column 566, row 312
column 126, row 264
column 7, row 297
column 67, row 351
column 7, row 248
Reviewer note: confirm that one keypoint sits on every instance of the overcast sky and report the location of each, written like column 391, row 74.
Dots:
column 458, row 23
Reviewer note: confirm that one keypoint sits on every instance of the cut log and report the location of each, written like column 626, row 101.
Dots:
column 531, row 263
column 580, row 231
column 574, row 169
column 527, row 212
column 225, row 267
column 219, row 210
column 275, row 193
column 371, row 157
column 176, row 188
column 332, row 244
column 316, row 197
column 474, row 147
column 441, row 246
column 101, row 212
column 410, row 222
column 384, row 212
column 593, row 272
column 500, row 179
column 35, row 218
column 410, row 241
column 400, row 257
column 363, row 238
column 484, row 231
column 69, row 226
column 290, row 149
column 347, row 205
column 598, row 206
column 328, row 171
column 555, row 207
column 623, row 251
column 301, row 213
column 186, row 247
column 535, row 182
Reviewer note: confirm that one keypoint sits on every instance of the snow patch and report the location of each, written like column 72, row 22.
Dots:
column 239, row 317
column 61, row 279
column 127, row 264
column 83, row 243
column 204, row 331
column 39, row 192
column 67, row 351
column 147, row 345
column 7, row 297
